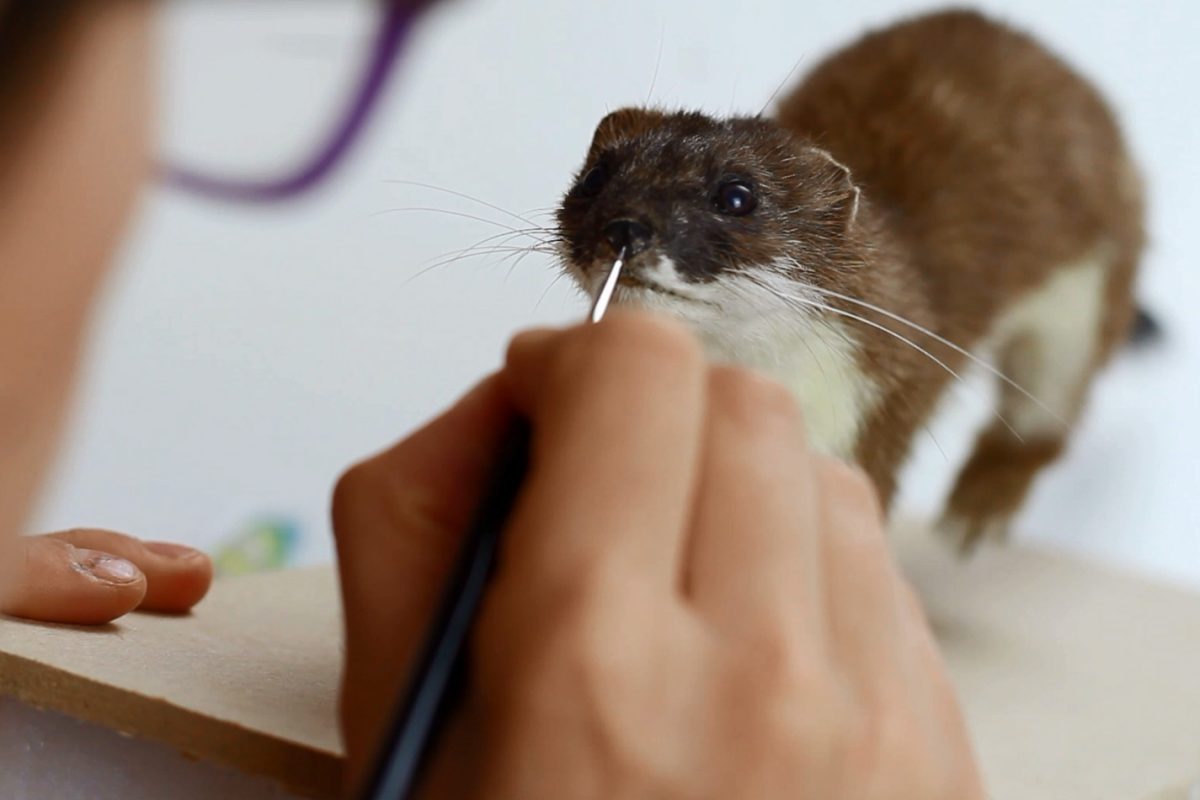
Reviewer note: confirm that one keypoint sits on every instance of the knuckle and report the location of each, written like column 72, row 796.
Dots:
column 752, row 399
column 572, row 649
column 865, row 550
column 572, row 611
column 349, row 490
column 837, row 727
column 812, row 721
column 911, row 607
column 46, row 547
column 783, row 669
column 888, row 740
column 795, row 708
column 893, row 742
column 849, row 486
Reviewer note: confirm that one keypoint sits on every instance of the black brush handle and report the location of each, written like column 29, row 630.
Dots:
column 439, row 675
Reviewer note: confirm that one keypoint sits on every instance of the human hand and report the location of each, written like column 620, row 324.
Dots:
column 688, row 604
column 399, row 518
column 691, row 603
column 90, row 577
column 76, row 134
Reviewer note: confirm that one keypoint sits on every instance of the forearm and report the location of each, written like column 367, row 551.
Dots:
column 61, row 218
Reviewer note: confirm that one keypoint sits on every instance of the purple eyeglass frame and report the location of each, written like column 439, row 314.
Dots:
column 397, row 22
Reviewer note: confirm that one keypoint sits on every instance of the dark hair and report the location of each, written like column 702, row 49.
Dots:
column 33, row 34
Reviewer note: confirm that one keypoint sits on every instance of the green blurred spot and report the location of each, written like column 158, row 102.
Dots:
column 263, row 544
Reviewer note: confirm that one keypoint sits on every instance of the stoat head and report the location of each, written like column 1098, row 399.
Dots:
column 718, row 218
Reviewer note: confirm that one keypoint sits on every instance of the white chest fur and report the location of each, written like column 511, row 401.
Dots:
column 767, row 323
column 817, row 363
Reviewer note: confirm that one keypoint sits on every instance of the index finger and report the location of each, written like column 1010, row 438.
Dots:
column 617, row 416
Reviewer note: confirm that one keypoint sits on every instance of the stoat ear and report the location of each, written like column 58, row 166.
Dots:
column 837, row 183
column 625, row 123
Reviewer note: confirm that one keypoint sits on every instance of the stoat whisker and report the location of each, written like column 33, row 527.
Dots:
column 883, row 368
column 464, row 196
column 991, row 369
column 506, row 241
column 799, row 302
column 786, row 80
column 502, row 239
column 521, row 257
column 561, row 274
column 662, row 40
column 510, row 251
column 822, row 323
column 448, row 212
column 488, row 244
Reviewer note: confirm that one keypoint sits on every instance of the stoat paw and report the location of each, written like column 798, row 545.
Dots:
column 965, row 533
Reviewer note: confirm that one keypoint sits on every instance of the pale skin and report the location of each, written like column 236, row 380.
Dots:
column 691, row 604
column 69, row 185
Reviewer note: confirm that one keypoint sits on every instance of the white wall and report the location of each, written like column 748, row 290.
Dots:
column 244, row 357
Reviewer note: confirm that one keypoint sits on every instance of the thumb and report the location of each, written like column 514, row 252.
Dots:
column 60, row 582
column 398, row 519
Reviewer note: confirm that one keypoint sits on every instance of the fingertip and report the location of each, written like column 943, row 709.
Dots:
column 175, row 576
column 647, row 335
column 525, row 352
column 630, row 329
column 111, row 587
column 180, row 577
column 848, row 486
column 69, row 585
column 653, row 324
column 756, row 403
column 553, row 366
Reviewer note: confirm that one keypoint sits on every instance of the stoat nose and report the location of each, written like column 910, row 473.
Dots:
column 628, row 234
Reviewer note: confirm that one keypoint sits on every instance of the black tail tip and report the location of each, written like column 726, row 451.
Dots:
column 1146, row 329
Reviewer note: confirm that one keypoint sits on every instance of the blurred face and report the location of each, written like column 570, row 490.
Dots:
column 76, row 143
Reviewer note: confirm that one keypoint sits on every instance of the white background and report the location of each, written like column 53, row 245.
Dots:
column 243, row 357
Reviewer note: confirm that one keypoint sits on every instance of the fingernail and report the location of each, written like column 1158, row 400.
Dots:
column 111, row 569
column 171, row 550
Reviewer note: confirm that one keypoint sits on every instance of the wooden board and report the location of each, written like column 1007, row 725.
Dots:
column 249, row 680
column 1079, row 682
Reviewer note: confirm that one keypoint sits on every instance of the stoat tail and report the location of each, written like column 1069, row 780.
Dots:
column 1146, row 329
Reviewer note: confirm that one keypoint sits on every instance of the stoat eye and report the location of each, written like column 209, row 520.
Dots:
column 735, row 198
column 594, row 180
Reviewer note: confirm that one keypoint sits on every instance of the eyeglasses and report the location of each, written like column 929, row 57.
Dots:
column 397, row 21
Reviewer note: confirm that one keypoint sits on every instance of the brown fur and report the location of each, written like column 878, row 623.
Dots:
column 997, row 164
column 978, row 164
